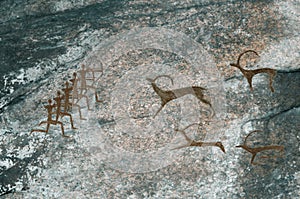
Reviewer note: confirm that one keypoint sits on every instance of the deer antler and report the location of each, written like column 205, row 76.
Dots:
column 255, row 131
column 159, row 76
column 247, row 51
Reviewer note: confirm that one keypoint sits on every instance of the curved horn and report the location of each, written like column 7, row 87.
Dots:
column 190, row 126
column 167, row 76
column 247, row 51
column 255, row 131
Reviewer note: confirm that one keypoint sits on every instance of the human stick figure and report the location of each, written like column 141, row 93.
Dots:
column 67, row 103
column 50, row 121
column 58, row 99
column 83, row 82
column 76, row 96
column 93, row 71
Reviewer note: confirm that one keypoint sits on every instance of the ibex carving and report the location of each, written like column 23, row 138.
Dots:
column 169, row 95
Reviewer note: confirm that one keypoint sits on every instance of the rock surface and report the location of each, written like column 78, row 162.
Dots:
column 44, row 42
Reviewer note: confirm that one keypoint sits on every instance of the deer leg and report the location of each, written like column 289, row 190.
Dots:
column 274, row 156
column 252, row 159
column 161, row 107
column 79, row 110
column 249, row 79
column 205, row 101
column 271, row 87
column 180, row 147
column 281, row 152
column 208, row 103
column 268, row 157
column 189, row 140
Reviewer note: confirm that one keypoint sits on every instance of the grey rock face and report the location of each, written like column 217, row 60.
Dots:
column 44, row 42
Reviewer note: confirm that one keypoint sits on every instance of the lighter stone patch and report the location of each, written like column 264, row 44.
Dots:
column 203, row 73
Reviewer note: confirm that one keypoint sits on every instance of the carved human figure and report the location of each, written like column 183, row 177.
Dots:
column 50, row 120
column 83, row 81
column 59, row 112
column 68, row 93
column 76, row 96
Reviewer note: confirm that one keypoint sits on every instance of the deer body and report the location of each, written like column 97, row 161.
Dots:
column 262, row 148
column 204, row 144
column 198, row 143
column 169, row 95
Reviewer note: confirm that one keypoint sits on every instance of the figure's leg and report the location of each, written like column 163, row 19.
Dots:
column 79, row 110
column 87, row 100
column 82, row 90
column 48, row 127
column 97, row 98
column 43, row 122
column 71, row 119
column 62, row 129
column 69, row 107
column 40, row 130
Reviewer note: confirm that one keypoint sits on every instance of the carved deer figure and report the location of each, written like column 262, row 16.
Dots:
column 197, row 143
column 169, row 95
column 255, row 150
column 250, row 73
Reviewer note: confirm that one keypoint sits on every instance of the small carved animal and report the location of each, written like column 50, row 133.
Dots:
column 250, row 73
column 255, row 150
column 197, row 143
column 169, row 95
